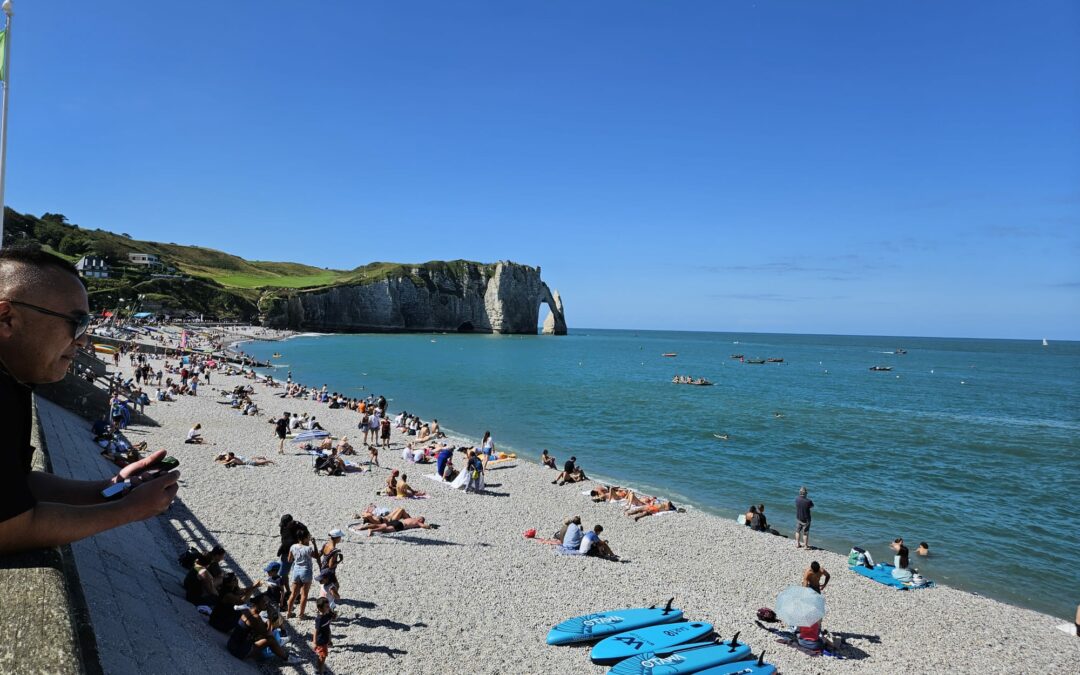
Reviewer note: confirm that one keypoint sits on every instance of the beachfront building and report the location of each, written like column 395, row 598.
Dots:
column 93, row 267
column 147, row 259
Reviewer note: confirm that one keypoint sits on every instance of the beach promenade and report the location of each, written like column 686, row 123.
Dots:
column 475, row 596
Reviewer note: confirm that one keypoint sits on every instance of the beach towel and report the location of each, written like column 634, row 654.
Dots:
column 437, row 479
column 882, row 573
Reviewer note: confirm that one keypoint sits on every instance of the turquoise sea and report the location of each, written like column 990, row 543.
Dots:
column 970, row 445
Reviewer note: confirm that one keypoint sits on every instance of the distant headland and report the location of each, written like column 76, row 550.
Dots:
column 131, row 276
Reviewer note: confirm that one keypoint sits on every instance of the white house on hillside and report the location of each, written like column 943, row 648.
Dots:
column 93, row 267
column 148, row 259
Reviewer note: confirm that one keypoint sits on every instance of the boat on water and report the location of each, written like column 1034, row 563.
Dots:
column 756, row 362
column 900, row 351
column 1045, row 343
column 774, row 360
column 881, row 368
column 699, row 382
column 737, row 356
column 669, row 354
column 276, row 355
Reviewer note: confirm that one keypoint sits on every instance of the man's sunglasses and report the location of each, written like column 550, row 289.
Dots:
column 79, row 322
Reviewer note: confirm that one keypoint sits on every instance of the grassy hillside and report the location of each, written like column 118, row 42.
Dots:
column 208, row 281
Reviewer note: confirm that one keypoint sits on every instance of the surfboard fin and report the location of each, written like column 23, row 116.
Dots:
column 667, row 607
column 761, row 659
column 734, row 641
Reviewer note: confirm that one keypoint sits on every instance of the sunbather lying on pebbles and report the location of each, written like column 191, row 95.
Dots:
column 652, row 508
column 230, row 460
column 397, row 525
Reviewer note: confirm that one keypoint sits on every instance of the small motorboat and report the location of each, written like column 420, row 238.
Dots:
column 737, row 356
column 881, row 369
column 669, row 354
column 900, row 351
column 774, row 360
column 755, row 361
column 276, row 355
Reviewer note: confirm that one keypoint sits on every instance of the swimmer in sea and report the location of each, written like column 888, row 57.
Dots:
column 723, row 437
column 924, row 549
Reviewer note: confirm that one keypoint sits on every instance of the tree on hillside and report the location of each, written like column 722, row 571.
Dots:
column 55, row 218
column 73, row 244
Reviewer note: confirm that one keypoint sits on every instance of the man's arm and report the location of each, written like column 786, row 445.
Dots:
column 49, row 487
column 52, row 524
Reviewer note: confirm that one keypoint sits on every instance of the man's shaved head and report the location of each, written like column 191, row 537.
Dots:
column 24, row 267
column 37, row 291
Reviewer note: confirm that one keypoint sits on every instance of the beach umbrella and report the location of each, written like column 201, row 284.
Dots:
column 308, row 436
column 800, row 606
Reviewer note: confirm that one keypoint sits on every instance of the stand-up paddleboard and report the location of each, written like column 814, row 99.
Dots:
column 688, row 658
column 758, row 667
column 649, row 639
column 602, row 624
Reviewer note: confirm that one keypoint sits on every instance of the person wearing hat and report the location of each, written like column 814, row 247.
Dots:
column 802, row 516
column 276, row 584
column 329, row 559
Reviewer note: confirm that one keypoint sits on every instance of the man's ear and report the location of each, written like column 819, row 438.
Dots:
column 7, row 329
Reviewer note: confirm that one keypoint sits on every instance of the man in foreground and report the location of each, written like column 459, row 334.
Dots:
column 44, row 315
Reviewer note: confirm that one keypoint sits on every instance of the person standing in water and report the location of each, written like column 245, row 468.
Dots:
column 802, row 516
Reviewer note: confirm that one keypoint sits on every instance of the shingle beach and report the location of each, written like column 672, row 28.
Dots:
column 476, row 596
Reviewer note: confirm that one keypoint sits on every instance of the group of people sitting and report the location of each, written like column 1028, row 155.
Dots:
column 755, row 519
column 576, row 541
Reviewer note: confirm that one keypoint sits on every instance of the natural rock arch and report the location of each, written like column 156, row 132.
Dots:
column 555, row 323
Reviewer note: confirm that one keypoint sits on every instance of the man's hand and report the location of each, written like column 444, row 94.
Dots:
column 136, row 470
column 152, row 496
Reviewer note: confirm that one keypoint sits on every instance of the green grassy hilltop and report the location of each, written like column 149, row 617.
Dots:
column 192, row 278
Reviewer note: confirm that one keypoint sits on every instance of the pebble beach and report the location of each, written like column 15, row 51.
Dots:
column 477, row 596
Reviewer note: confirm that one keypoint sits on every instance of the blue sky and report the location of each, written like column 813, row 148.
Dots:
column 816, row 167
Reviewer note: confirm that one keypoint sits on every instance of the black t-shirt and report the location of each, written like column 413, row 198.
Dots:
column 322, row 628
column 569, row 466
column 903, row 555
column 802, row 509
column 282, row 425
column 16, row 453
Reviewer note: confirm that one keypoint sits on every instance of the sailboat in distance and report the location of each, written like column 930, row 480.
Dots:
column 1045, row 343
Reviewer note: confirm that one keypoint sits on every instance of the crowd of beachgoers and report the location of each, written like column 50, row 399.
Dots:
column 303, row 453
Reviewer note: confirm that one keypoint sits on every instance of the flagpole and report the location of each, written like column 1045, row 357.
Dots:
column 3, row 120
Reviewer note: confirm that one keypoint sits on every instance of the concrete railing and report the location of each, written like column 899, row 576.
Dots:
column 44, row 623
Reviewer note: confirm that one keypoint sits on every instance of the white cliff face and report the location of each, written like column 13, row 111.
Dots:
column 555, row 323
column 500, row 298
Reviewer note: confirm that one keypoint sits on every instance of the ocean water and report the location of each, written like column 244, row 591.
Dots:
column 970, row 445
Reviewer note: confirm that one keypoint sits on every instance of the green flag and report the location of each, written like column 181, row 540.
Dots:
column 3, row 51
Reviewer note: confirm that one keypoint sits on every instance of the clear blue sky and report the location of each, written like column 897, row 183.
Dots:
column 906, row 168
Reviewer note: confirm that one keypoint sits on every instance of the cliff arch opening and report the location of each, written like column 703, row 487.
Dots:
column 555, row 322
column 466, row 327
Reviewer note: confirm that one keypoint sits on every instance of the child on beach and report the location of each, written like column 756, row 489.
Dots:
column 329, row 559
column 374, row 455
column 320, row 636
column 193, row 435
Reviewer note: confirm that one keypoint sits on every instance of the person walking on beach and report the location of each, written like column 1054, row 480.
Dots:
column 812, row 577
column 487, row 446
column 329, row 559
column 301, row 572
column 802, row 516
column 281, row 428
column 320, row 636
column 365, row 426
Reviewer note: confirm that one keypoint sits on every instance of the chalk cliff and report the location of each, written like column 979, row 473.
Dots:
column 504, row 297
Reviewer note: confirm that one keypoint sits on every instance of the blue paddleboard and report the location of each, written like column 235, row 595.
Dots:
column 602, row 624
column 751, row 667
column 648, row 639
column 688, row 658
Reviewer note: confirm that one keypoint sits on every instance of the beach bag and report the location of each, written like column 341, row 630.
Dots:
column 767, row 615
column 859, row 557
